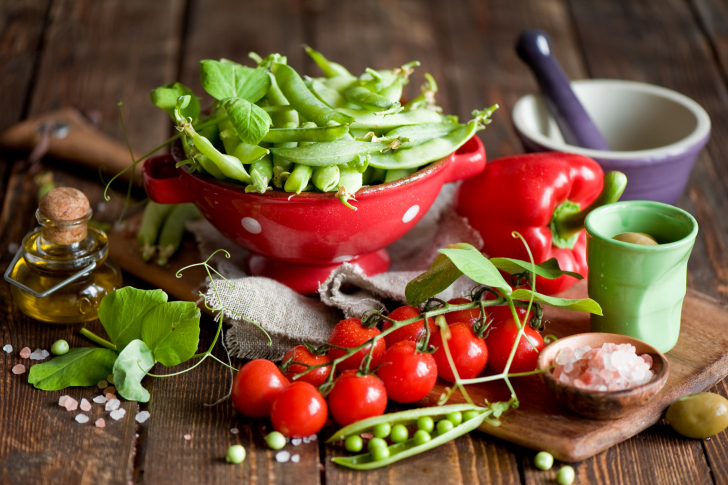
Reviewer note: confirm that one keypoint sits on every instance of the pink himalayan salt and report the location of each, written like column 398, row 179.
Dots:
column 100, row 423
column 62, row 400
column 113, row 405
column 187, row 437
column 609, row 368
column 19, row 369
column 110, row 396
column 85, row 405
column 25, row 353
column 100, row 400
column 70, row 404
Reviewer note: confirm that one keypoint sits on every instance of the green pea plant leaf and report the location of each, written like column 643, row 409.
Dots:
column 121, row 313
column 130, row 368
column 250, row 121
column 584, row 305
column 477, row 267
column 548, row 269
column 224, row 80
column 165, row 97
column 172, row 332
column 442, row 273
column 81, row 366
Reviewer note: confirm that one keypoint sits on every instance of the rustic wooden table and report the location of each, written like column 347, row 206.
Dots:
column 92, row 54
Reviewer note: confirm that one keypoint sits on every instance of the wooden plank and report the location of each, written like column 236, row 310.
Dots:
column 716, row 447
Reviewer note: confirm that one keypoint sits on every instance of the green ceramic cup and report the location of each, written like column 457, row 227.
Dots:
column 640, row 288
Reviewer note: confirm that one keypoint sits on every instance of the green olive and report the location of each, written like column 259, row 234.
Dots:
column 636, row 238
column 699, row 415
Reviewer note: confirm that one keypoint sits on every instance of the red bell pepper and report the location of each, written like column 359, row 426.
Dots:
column 543, row 196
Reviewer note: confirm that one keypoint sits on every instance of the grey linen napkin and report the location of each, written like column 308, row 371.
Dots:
column 290, row 318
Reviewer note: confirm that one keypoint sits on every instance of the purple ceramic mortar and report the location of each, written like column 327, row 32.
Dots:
column 655, row 134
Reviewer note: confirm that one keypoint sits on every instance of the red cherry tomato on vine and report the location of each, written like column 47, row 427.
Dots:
column 351, row 333
column 500, row 340
column 301, row 354
column 467, row 316
column 469, row 352
column 413, row 331
column 407, row 375
column 255, row 387
column 299, row 410
column 357, row 397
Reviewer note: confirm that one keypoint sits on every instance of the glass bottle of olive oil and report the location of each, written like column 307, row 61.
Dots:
column 63, row 248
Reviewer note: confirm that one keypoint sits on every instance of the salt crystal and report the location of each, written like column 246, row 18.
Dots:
column 117, row 414
column 25, row 353
column 110, row 397
column 113, row 405
column 187, row 437
column 142, row 416
column 37, row 354
column 85, row 405
column 82, row 418
column 234, row 430
column 306, row 440
column 110, row 390
column 19, row 369
column 8, row 348
column 100, row 400
column 296, row 441
column 62, row 400
column 313, row 437
column 103, row 384
column 100, row 423
column 295, row 458
column 283, row 456
column 564, row 356
column 579, row 353
column 647, row 358
column 44, row 354
column 71, row 404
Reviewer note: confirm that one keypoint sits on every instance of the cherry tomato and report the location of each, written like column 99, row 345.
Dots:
column 301, row 354
column 413, row 331
column 350, row 333
column 469, row 352
column 500, row 339
column 407, row 375
column 299, row 410
column 467, row 316
column 357, row 397
column 255, row 387
column 503, row 312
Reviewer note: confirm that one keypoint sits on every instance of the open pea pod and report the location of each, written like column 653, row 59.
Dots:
column 338, row 152
column 369, row 120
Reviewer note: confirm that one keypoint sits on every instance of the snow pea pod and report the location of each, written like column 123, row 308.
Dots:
column 372, row 121
column 418, row 134
column 326, row 179
column 326, row 94
column 275, row 97
column 308, row 105
column 229, row 165
column 339, row 83
column 339, row 152
column 361, row 96
column 330, row 69
column 248, row 154
column 316, row 134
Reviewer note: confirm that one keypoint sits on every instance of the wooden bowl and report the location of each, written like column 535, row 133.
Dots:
column 603, row 404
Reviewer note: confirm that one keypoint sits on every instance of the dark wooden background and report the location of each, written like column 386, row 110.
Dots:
column 94, row 53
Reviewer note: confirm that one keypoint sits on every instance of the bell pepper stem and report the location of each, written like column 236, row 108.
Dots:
column 569, row 224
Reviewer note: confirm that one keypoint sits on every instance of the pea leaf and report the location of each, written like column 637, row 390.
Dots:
column 477, row 267
column 548, row 269
column 584, row 305
column 228, row 80
column 438, row 278
column 172, row 331
column 130, row 368
column 165, row 97
column 121, row 313
column 81, row 366
column 250, row 121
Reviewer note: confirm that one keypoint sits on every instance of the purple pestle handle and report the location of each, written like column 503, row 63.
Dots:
column 577, row 128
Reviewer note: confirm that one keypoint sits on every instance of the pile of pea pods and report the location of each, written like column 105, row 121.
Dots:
column 335, row 133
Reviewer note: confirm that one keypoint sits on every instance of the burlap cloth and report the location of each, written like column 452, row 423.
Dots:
column 291, row 318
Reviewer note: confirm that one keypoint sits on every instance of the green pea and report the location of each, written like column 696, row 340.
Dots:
column 382, row 430
column 380, row 453
column 235, row 454
column 468, row 415
column 444, row 426
column 455, row 418
column 275, row 440
column 399, row 433
column 426, row 423
column 421, row 437
column 544, row 460
column 60, row 347
column 354, row 444
column 375, row 443
column 565, row 476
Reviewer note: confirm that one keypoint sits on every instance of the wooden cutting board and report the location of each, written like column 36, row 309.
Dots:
column 698, row 361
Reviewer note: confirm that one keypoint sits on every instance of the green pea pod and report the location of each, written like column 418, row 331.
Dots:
column 350, row 180
column 211, row 132
column 326, row 179
column 339, row 152
column 170, row 237
column 248, row 154
column 298, row 95
column 276, row 98
column 152, row 220
column 298, row 180
column 426, row 100
column 377, row 80
column 209, row 167
column 330, row 69
column 361, row 96
column 228, row 136
column 285, row 165
column 229, row 165
column 326, row 94
column 373, row 176
column 316, row 134
column 418, row 134
column 397, row 174
column 393, row 91
column 371, row 121
column 261, row 173
column 339, row 83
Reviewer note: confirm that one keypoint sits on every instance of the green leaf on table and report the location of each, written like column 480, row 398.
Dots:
column 172, row 331
column 121, row 313
column 130, row 368
column 438, row 278
column 477, row 267
column 228, row 80
column 583, row 305
column 250, row 121
column 81, row 366
column 165, row 97
column 548, row 269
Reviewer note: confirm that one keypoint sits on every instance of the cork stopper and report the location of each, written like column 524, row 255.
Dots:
column 64, row 213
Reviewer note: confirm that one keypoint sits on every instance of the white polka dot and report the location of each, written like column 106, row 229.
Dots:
column 341, row 259
column 251, row 225
column 410, row 214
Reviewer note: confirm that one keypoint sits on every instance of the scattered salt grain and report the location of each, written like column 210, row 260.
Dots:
column 62, row 400
column 38, row 354
column 44, row 354
column 85, row 405
column 367, row 436
column 100, row 423
column 110, row 378
column 103, row 384
column 19, row 369
column 113, row 405
column 70, row 404
column 110, row 390
column 100, row 400
column 283, row 456
column 142, row 416
column 234, row 430
column 117, row 414
column 313, row 437
column 82, row 418
column 296, row 441
column 306, row 440
column 25, row 353
column 8, row 348
column 110, row 397
column 295, row 458
column 13, row 247
column 187, row 437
